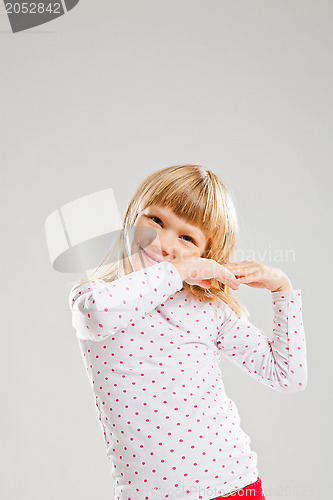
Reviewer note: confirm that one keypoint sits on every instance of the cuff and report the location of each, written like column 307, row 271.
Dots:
column 174, row 274
column 287, row 294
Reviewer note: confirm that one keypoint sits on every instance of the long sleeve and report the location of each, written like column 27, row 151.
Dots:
column 280, row 363
column 101, row 308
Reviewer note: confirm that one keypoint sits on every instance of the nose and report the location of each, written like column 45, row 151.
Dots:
column 167, row 243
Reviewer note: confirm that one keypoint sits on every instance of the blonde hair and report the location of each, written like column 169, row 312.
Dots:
column 197, row 195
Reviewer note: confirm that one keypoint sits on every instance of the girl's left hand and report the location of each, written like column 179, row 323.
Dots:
column 255, row 274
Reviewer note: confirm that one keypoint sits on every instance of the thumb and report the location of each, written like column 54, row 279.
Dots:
column 205, row 284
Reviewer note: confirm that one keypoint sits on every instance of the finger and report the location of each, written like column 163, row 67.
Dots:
column 241, row 265
column 229, row 281
column 250, row 278
column 224, row 271
column 227, row 277
column 205, row 284
column 243, row 271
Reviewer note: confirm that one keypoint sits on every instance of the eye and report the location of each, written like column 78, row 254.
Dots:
column 154, row 217
column 190, row 238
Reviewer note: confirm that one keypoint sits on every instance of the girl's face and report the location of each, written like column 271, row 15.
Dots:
column 175, row 238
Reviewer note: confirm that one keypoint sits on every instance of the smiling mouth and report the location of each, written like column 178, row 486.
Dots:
column 150, row 256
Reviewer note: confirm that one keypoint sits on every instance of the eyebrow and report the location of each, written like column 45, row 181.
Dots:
column 193, row 229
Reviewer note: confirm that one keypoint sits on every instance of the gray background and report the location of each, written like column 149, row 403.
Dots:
column 104, row 96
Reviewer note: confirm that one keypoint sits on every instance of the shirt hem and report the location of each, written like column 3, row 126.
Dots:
column 200, row 493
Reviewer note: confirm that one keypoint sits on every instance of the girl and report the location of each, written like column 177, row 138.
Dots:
column 151, row 324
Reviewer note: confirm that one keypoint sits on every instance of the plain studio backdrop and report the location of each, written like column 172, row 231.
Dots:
column 105, row 95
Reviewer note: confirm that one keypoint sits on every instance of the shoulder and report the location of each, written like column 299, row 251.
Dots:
column 82, row 288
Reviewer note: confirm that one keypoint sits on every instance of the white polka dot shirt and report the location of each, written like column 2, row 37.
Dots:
column 151, row 352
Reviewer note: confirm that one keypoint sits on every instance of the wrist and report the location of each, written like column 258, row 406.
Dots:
column 285, row 287
column 180, row 268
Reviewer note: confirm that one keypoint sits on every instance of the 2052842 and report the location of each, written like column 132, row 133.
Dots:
column 33, row 8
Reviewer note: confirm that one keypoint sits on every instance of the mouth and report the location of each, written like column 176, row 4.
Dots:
column 150, row 256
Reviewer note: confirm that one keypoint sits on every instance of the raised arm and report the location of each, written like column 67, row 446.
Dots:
column 280, row 363
column 100, row 309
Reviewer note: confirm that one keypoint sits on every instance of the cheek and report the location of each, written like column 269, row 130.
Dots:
column 197, row 253
column 191, row 252
column 138, row 262
column 140, row 235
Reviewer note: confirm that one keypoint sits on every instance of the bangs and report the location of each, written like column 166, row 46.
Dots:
column 189, row 197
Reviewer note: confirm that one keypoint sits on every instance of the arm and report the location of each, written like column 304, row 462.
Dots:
column 279, row 363
column 100, row 309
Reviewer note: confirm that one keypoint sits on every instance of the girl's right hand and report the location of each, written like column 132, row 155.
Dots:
column 198, row 271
